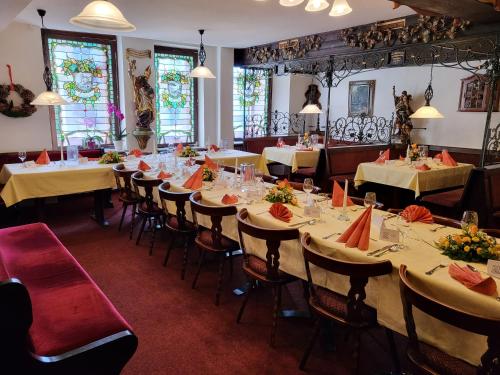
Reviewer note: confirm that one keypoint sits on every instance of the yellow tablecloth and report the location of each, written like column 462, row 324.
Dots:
column 400, row 175
column 53, row 180
column 382, row 292
column 290, row 156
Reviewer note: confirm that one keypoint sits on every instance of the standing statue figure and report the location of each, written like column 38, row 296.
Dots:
column 403, row 125
column 144, row 97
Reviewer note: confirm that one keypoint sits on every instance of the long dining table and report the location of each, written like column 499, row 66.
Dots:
column 420, row 255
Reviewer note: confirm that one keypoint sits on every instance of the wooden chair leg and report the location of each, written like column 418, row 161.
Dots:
column 200, row 264
column 231, row 264
column 222, row 260
column 276, row 311
column 153, row 235
column 124, row 210
column 144, row 220
column 393, row 349
column 169, row 249
column 310, row 345
column 132, row 221
column 245, row 300
column 185, row 257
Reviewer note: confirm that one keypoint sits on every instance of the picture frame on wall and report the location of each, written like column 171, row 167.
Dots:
column 361, row 98
column 475, row 95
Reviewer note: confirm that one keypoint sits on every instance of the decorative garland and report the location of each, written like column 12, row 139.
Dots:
column 170, row 101
column 7, row 107
column 72, row 66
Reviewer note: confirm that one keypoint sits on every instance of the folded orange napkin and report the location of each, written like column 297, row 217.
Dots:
column 190, row 162
column 338, row 196
column 448, row 160
column 179, row 148
column 196, row 180
column 417, row 213
column 439, row 156
column 401, row 158
column 214, row 148
column 210, row 163
column 279, row 144
column 93, row 159
column 229, row 199
column 43, row 158
column 423, row 168
column 143, row 166
column 472, row 280
column 385, row 156
column 358, row 234
column 136, row 152
column 164, row 175
column 280, row 212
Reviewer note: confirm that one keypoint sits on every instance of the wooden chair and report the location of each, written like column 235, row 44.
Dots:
column 350, row 310
column 126, row 195
column 430, row 360
column 441, row 220
column 148, row 210
column 300, row 186
column 211, row 240
column 177, row 224
column 266, row 272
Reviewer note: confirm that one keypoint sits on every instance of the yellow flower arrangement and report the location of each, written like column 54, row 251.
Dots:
column 282, row 193
column 110, row 157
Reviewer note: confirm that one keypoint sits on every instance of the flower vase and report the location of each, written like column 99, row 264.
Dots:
column 119, row 145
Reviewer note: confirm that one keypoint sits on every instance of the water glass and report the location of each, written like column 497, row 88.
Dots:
column 308, row 187
column 468, row 218
column 370, row 199
column 403, row 228
column 22, row 156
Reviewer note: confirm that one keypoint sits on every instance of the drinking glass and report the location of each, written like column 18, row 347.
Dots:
column 259, row 175
column 308, row 187
column 22, row 156
column 468, row 218
column 403, row 228
column 370, row 199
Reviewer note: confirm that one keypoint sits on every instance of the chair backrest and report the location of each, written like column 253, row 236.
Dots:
column 492, row 232
column 300, row 186
column 180, row 199
column 441, row 220
column 121, row 173
column 148, row 185
column 216, row 214
column 361, row 202
column 359, row 273
column 481, row 325
column 273, row 238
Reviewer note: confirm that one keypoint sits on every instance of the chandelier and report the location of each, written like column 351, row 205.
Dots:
column 339, row 7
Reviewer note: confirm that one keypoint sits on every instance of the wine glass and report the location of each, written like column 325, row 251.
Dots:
column 468, row 218
column 403, row 228
column 308, row 187
column 370, row 199
column 22, row 156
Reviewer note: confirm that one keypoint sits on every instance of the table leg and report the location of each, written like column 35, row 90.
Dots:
column 108, row 201
column 98, row 215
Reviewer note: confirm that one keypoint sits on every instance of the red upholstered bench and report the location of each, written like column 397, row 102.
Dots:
column 53, row 317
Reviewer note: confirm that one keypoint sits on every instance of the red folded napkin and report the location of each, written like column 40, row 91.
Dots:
column 280, row 212
column 385, row 156
column 164, row 175
column 214, row 148
column 190, row 162
column 448, row 160
column 93, row 159
column 358, row 234
column 196, row 180
column 136, row 152
column 43, row 158
column 143, row 166
column 439, row 156
column 401, row 158
column 423, row 168
column 229, row 199
column 279, row 144
column 472, row 280
column 417, row 213
column 179, row 148
column 338, row 196
column 210, row 163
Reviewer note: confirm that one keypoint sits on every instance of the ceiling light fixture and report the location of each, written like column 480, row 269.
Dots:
column 291, row 3
column 102, row 15
column 340, row 8
column 201, row 71
column 427, row 111
column 316, row 5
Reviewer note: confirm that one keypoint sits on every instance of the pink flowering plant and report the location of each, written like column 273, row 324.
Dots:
column 118, row 132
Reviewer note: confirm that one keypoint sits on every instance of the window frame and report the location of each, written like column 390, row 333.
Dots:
column 183, row 52
column 81, row 37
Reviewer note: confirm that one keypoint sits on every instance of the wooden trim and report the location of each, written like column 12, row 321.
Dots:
column 194, row 54
column 81, row 37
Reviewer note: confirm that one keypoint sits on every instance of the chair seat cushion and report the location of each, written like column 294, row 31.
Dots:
column 336, row 304
column 173, row 224
column 449, row 198
column 443, row 363
column 205, row 240
column 259, row 266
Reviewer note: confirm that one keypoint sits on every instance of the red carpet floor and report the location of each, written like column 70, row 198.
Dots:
column 180, row 330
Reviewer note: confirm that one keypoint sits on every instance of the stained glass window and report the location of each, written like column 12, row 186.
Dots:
column 250, row 102
column 176, row 95
column 82, row 74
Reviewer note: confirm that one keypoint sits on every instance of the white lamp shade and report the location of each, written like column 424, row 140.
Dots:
column 49, row 98
column 317, row 5
column 311, row 109
column 290, row 3
column 201, row 72
column 427, row 111
column 340, row 8
column 102, row 15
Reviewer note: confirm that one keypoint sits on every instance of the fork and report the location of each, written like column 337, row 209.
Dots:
column 437, row 228
column 302, row 224
column 391, row 249
column 331, row 235
column 432, row 270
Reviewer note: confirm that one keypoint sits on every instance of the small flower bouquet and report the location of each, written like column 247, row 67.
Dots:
column 188, row 152
column 307, row 142
column 282, row 193
column 413, row 154
column 208, row 175
column 471, row 245
column 110, row 157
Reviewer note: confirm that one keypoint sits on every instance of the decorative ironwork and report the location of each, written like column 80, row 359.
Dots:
column 362, row 129
column 492, row 155
column 287, row 50
column 427, row 29
column 280, row 123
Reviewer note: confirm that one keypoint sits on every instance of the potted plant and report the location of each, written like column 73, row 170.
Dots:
column 119, row 134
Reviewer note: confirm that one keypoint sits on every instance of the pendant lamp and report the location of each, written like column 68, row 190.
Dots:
column 104, row 15
column 317, row 5
column 340, row 8
column 428, row 111
column 291, row 3
column 201, row 71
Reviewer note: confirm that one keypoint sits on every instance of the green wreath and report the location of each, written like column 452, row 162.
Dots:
column 168, row 101
column 7, row 107
column 253, row 78
column 71, row 66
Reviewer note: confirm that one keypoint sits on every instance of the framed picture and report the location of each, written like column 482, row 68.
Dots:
column 361, row 98
column 475, row 95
